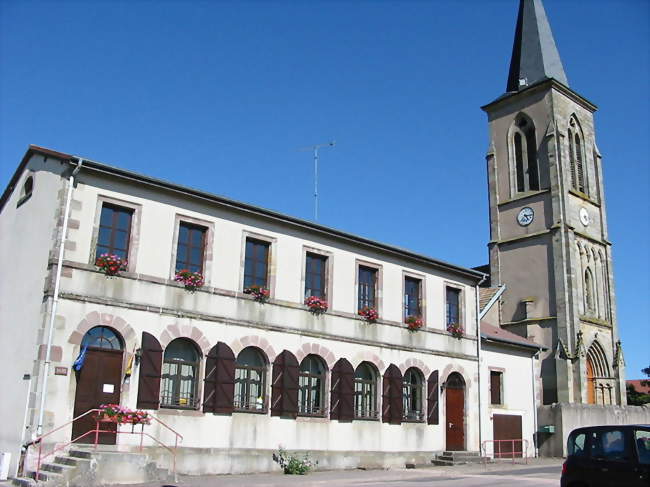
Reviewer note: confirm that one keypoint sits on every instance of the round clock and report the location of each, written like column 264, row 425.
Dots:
column 525, row 216
column 584, row 216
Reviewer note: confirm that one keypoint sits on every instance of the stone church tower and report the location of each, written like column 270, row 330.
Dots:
column 548, row 227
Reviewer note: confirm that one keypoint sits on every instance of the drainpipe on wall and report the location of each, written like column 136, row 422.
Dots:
column 478, row 356
column 532, row 376
column 55, row 298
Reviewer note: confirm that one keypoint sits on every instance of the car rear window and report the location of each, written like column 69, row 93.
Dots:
column 576, row 446
column 609, row 445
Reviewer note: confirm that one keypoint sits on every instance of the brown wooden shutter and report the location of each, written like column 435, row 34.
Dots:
column 219, row 384
column 150, row 373
column 392, row 401
column 342, row 391
column 432, row 398
column 284, row 389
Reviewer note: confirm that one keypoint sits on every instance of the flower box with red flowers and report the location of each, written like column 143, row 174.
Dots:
column 191, row 280
column 259, row 293
column 456, row 330
column 370, row 314
column 110, row 264
column 413, row 323
column 316, row 305
column 114, row 413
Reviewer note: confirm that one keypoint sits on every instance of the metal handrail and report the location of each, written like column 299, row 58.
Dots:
column 510, row 454
column 97, row 431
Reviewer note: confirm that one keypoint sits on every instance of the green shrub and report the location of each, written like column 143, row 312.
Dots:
column 293, row 465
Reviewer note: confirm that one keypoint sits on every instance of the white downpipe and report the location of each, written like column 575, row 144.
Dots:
column 55, row 298
column 532, row 376
column 478, row 356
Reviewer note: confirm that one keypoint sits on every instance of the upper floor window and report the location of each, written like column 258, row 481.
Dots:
column 179, row 375
column 496, row 387
column 365, row 392
column 250, row 380
column 191, row 247
column 256, row 265
column 114, row 231
column 412, row 390
column 576, row 157
column 453, row 306
column 412, row 297
column 316, row 275
column 367, row 287
column 524, row 153
column 311, row 386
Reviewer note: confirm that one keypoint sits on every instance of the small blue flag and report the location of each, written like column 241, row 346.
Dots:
column 79, row 362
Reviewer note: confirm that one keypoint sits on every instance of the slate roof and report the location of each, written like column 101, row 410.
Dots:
column 496, row 334
column 534, row 54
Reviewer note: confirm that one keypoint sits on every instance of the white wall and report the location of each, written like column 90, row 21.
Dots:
column 517, row 386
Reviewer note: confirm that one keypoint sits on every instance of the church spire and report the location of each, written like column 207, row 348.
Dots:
column 534, row 54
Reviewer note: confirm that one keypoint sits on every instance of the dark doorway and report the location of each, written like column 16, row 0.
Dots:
column 507, row 427
column 98, row 382
column 455, row 412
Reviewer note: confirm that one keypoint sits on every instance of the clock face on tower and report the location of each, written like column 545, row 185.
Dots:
column 525, row 216
column 584, row 216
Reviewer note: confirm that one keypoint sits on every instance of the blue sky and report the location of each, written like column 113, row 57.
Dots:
column 220, row 95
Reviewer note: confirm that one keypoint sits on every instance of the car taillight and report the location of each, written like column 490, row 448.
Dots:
column 564, row 468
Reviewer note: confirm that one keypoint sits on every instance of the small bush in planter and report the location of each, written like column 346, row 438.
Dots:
column 456, row 330
column 316, row 305
column 413, row 323
column 259, row 293
column 191, row 280
column 370, row 314
column 110, row 264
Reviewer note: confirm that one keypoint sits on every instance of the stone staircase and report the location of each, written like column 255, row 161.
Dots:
column 85, row 467
column 451, row 458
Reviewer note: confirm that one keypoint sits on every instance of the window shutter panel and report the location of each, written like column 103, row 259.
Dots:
column 225, row 379
column 342, row 391
column 495, row 388
column 290, row 392
column 396, row 395
column 432, row 398
column 346, row 408
column 150, row 373
column 219, row 383
column 392, row 406
column 276, row 385
column 284, row 389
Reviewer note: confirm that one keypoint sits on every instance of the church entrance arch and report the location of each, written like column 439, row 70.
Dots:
column 455, row 412
column 99, row 381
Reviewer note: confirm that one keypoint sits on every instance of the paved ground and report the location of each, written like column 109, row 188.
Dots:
column 538, row 472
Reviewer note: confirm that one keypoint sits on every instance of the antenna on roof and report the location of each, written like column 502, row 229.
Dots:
column 315, row 149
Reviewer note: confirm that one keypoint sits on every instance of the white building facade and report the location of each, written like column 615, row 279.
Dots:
column 236, row 377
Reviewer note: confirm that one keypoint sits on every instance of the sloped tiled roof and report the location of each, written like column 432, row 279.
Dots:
column 484, row 296
column 638, row 387
column 494, row 333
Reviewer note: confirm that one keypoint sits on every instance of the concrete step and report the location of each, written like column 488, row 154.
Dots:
column 461, row 453
column 61, row 468
column 44, row 476
column 72, row 461
column 80, row 454
column 22, row 482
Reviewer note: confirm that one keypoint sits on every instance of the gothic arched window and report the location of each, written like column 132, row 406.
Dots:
column 590, row 298
column 576, row 157
column 524, row 154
